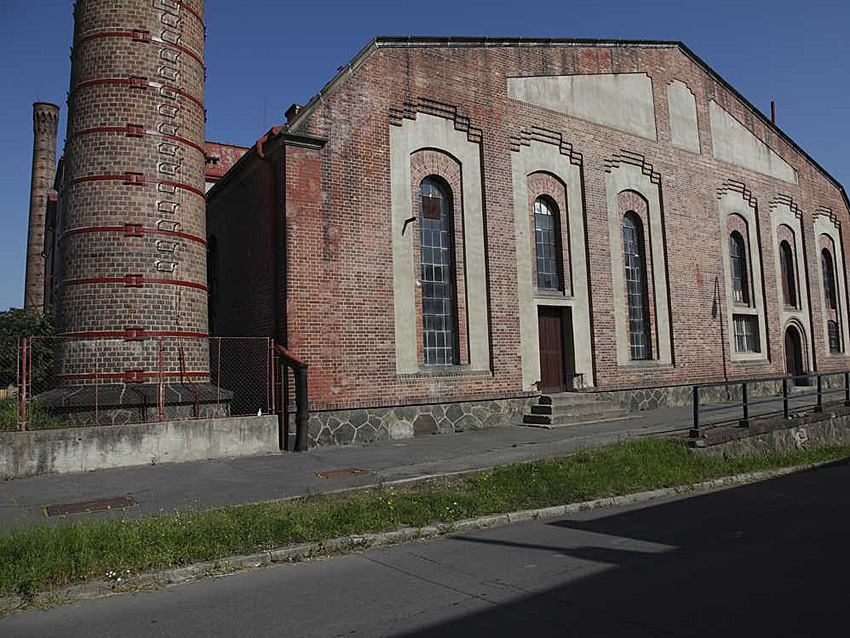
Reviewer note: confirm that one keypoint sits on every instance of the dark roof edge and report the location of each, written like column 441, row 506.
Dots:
column 289, row 139
column 470, row 41
column 766, row 120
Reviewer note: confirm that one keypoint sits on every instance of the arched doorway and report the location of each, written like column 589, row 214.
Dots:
column 794, row 354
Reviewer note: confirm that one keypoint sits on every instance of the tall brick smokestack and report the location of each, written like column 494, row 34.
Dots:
column 45, row 118
column 133, row 230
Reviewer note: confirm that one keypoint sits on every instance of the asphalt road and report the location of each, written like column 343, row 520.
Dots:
column 768, row 559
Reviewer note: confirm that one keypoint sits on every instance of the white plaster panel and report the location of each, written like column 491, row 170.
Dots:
column 629, row 177
column 543, row 157
column 732, row 203
column 619, row 100
column 734, row 143
column 684, row 132
column 781, row 214
column 824, row 226
column 428, row 131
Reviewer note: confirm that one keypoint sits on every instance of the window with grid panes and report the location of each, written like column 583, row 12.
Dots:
column 746, row 333
column 738, row 257
column 637, row 296
column 547, row 242
column 834, row 336
column 789, row 279
column 828, row 279
column 439, row 302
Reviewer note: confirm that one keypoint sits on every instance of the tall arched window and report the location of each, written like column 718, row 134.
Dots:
column 547, row 242
column 789, row 280
column 637, row 296
column 828, row 272
column 738, row 257
column 439, row 299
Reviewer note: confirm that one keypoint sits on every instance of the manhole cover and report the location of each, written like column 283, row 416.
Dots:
column 349, row 471
column 85, row 507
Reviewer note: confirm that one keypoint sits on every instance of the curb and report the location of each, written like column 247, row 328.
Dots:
column 361, row 542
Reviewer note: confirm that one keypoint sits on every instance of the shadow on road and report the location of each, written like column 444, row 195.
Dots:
column 768, row 559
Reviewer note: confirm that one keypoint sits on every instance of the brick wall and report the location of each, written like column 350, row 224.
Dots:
column 132, row 231
column 339, row 292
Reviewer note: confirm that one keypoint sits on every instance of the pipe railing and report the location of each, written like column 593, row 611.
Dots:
column 299, row 370
column 747, row 403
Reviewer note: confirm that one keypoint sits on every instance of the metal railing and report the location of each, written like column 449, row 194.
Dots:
column 786, row 397
column 286, row 359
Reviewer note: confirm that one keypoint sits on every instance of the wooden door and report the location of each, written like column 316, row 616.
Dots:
column 794, row 354
column 551, row 330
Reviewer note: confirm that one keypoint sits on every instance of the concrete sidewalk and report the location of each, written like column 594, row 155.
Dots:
column 209, row 484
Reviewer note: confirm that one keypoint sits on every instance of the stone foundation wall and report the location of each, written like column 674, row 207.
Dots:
column 812, row 431
column 682, row 395
column 372, row 425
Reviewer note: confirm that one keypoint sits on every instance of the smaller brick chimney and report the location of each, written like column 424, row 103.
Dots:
column 45, row 120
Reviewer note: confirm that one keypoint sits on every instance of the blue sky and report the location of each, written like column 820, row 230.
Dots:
column 263, row 55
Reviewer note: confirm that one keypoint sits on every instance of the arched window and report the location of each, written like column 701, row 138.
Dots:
column 439, row 299
column 828, row 272
column 637, row 296
column 547, row 241
column 789, row 280
column 738, row 257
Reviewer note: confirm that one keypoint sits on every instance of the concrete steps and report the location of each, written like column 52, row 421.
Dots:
column 570, row 408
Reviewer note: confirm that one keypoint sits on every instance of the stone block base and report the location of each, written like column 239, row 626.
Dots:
column 372, row 425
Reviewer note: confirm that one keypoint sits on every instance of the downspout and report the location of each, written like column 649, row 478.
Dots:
column 280, row 333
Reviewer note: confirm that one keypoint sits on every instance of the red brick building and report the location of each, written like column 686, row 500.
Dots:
column 453, row 225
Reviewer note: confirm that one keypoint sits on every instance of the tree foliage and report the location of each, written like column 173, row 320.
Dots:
column 17, row 324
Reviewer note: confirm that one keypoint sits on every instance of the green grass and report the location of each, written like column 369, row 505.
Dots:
column 37, row 558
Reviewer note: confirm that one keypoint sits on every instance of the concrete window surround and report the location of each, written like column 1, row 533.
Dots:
column 823, row 225
column 781, row 214
column 539, row 157
column 628, row 177
column 431, row 132
column 684, row 131
column 733, row 203
column 623, row 101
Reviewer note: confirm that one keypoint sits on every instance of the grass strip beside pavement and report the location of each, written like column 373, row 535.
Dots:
column 38, row 558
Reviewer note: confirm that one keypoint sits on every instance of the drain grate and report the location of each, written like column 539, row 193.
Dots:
column 86, row 507
column 349, row 471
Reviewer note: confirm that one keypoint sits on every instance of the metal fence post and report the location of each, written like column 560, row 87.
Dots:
column 22, row 391
column 847, row 389
column 819, row 407
column 746, row 420
column 301, row 444
column 695, row 431
column 785, row 398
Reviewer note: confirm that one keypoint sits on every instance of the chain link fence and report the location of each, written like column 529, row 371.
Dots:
column 10, row 368
column 57, row 382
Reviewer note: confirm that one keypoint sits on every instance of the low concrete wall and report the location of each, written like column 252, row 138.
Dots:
column 94, row 448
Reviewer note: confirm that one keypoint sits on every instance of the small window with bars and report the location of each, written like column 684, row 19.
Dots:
column 746, row 333
column 439, row 299
column 834, row 335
